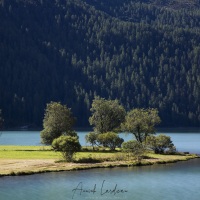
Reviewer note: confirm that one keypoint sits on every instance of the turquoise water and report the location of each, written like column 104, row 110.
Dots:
column 20, row 138
column 180, row 181
column 189, row 141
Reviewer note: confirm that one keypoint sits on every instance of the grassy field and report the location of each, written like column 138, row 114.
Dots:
column 45, row 152
column 28, row 152
column 17, row 160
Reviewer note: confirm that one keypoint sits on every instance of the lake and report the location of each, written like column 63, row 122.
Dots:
column 178, row 181
column 184, row 141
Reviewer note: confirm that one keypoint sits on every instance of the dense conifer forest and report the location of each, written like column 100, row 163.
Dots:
column 145, row 53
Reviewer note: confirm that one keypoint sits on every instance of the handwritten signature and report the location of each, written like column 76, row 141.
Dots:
column 102, row 190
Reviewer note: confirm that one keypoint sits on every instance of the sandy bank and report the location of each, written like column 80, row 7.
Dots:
column 31, row 166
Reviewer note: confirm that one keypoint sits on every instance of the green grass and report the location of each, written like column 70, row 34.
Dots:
column 24, row 148
column 101, row 156
column 11, row 157
column 28, row 152
column 45, row 152
column 170, row 157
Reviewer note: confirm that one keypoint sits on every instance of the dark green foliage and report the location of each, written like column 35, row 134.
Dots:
column 1, row 120
column 71, row 133
column 159, row 144
column 134, row 148
column 58, row 120
column 107, row 115
column 88, row 160
column 141, row 123
column 144, row 53
column 91, row 138
column 110, row 140
column 67, row 145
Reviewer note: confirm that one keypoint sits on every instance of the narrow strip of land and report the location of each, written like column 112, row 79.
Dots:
column 21, row 161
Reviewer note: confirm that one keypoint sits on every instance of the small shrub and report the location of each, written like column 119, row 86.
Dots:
column 134, row 148
column 110, row 140
column 160, row 144
column 67, row 145
column 12, row 173
column 91, row 138
column 88, row 160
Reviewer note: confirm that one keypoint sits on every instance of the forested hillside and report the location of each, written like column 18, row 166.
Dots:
column 146, row 53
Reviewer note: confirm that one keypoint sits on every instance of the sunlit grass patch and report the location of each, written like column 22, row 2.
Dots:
column 46, row 152
column 27, row 152
column 24, row 148
column 21, row 160
column 165, row 157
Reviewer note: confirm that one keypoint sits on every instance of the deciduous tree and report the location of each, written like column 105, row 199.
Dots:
column 107, row 115
column 91, row 138
column 141, row 123
column 160, row 143
column 58, row 120
column 110, row 140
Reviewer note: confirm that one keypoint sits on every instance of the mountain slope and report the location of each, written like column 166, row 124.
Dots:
column 144, row 53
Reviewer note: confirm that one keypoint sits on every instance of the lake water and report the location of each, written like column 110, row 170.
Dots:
column 178, row 181
column 184, row 141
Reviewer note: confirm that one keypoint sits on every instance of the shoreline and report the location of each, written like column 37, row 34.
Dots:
column 13, row 167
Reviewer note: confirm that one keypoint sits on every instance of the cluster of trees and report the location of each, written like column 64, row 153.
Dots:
column 144, row 53
column 159, row 144
column 108, row 119
column 107, row 139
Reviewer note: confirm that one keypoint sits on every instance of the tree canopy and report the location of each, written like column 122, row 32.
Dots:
column 141, row 123
column 161, row 143
column 107, row 115
column 110, row 140
column 92, row 139
column 58, row 120
column 1, row 120
column 67, row 145
column 145, row 53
